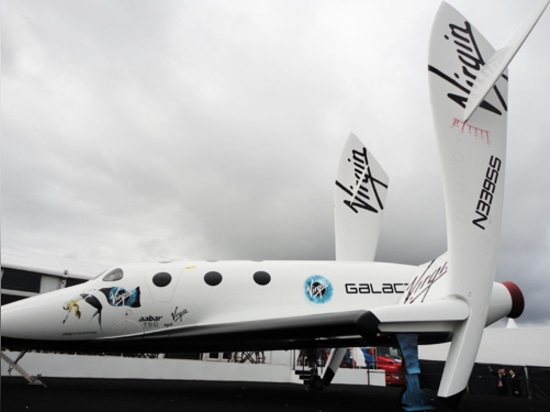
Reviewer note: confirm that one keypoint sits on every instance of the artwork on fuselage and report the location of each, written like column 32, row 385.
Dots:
column 73, row 306
column 116, row 296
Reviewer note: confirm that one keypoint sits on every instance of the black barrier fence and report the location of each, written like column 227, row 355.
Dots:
column 533, row 382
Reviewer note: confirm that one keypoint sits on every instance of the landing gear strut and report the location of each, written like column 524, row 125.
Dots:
column 314, row 381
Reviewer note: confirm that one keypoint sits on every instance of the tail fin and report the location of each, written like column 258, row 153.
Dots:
column 359, row 197
column 473, row 155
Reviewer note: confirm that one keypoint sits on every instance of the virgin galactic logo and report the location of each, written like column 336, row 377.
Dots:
column 364, row 192
column 317, row 289
column 462, row 38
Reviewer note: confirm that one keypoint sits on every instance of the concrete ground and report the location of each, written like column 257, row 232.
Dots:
column 83, row 395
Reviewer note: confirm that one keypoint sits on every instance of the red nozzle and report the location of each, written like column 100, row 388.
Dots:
column 518, row 302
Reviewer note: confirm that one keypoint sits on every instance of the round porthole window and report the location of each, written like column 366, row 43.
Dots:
column 162, row 279
column 262, row 278
column 213, row 278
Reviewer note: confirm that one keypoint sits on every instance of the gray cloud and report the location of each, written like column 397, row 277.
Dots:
column 199, row 130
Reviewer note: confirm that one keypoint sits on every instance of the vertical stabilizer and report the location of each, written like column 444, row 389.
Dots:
column 473, row 156
column 359, row 197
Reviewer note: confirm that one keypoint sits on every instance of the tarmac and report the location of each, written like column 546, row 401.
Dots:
column 83, row 395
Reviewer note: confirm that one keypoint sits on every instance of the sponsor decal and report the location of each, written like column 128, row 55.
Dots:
column 421, row 284
column 370, row 288
column 118, row 296
column 465, row 127
column 150, row 321
column 471, row 60
column 483, row 207
column 318, row 289
column 177, row 315
column 363, row 194
column 149, row 318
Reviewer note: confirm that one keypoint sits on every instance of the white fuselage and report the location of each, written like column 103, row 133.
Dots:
column 136, row 300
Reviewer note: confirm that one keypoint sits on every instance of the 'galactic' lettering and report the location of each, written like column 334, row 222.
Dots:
column 483, row 207
column 369, row 288
column 365, row 185
column 471, row 59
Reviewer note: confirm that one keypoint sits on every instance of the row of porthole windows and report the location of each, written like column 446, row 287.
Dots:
column 215, row 278
column 212, row 278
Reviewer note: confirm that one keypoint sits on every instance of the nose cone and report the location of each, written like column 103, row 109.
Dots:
column 33, row 318
column 54, row 316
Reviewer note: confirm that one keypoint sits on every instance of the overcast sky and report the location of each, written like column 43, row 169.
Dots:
column 148, row 130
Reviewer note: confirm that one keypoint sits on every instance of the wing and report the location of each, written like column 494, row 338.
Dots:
column 276, row 333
